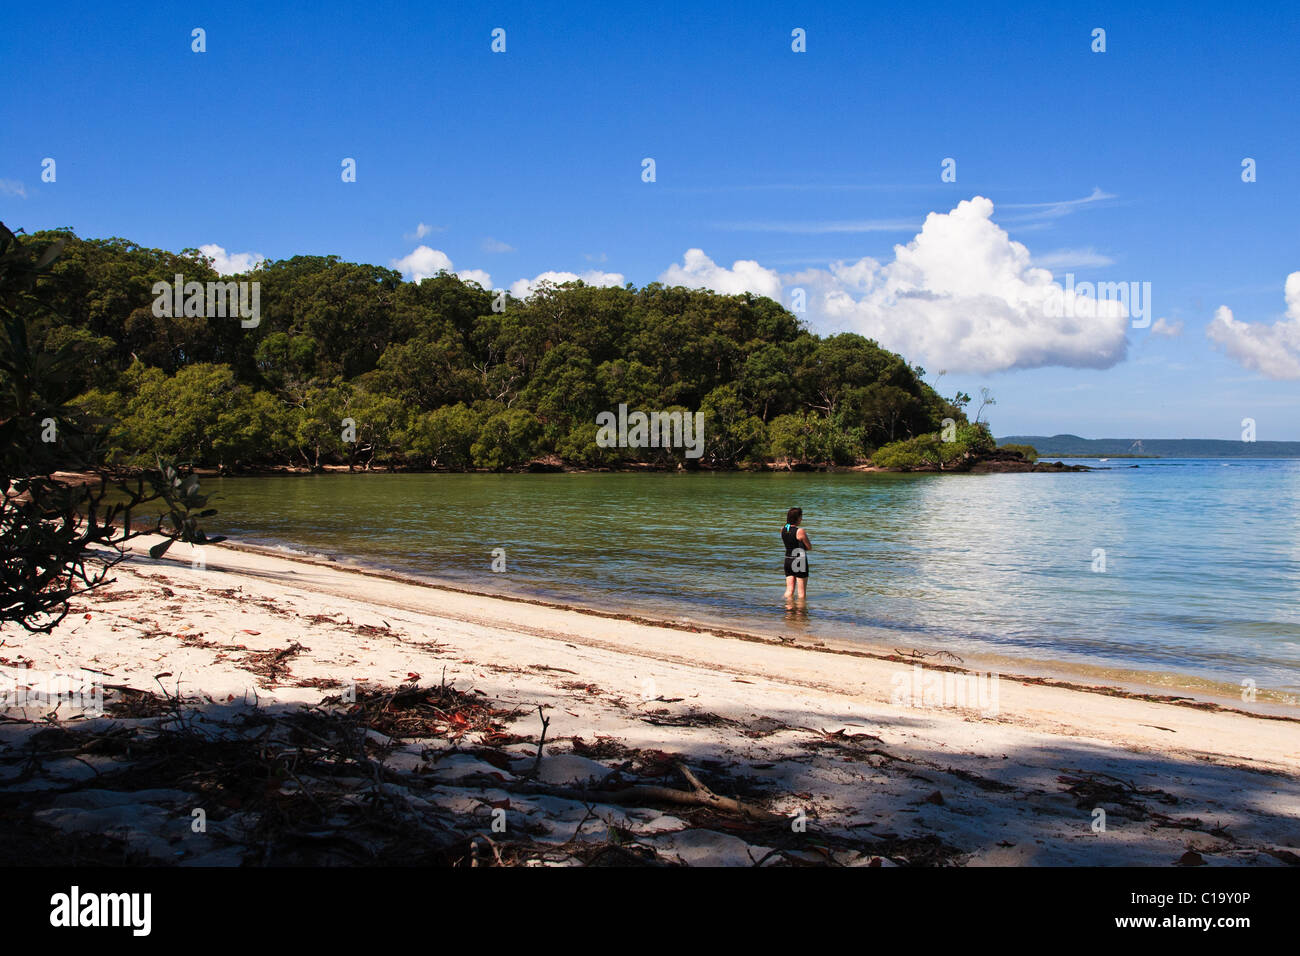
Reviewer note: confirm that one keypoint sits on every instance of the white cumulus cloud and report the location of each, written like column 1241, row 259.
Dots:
column 422, row 263
column 425, row 263
column 231, row 263
column 698, row 271
column 961, row 296
column 523, row 288
column 1272, row 350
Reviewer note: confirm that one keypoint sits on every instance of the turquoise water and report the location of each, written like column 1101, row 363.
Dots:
column 1202, row 557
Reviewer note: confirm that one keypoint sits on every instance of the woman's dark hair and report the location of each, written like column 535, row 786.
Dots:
column 794, row 516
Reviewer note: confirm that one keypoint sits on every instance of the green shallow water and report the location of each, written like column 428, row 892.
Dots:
column 1202, row 557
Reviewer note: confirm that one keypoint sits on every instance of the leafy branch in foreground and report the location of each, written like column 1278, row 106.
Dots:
column 60, row 537
column 65, row 518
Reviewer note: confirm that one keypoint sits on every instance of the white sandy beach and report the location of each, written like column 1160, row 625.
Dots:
column 807, row 729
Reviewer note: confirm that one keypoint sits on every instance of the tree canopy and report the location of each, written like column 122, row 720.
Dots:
column 349, row 364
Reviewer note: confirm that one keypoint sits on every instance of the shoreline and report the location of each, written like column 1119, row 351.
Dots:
column 983, row 466
column 1110, row 679
column 1014, row 777
column 878, row 639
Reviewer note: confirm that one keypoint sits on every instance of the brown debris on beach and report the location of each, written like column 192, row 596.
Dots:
column 265, row 711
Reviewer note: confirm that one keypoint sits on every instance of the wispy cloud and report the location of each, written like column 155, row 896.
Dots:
column 1037, row 211
column 804, row 260
column 1163, row 326
column 422, row 230
column 821, row 227
column 799, row 187
column 1072, row 259
column 1037, row 215
column 496, row 245
column 12, row 187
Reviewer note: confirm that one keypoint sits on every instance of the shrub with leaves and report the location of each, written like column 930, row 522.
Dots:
column 61, row 533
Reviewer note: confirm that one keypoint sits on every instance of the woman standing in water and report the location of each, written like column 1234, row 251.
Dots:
column 797, row 547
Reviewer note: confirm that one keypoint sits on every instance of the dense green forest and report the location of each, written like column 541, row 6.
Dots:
column 349, row 364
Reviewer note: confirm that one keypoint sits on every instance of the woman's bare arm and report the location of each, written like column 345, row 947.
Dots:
column 802, row 535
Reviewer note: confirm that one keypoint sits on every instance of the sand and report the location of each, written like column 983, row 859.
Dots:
column 1031, row 773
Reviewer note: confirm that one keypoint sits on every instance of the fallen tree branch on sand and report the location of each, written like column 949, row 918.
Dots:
column 640, row 794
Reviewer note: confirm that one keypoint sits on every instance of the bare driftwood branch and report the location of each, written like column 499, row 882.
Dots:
column 537, row 764
column 698, row 796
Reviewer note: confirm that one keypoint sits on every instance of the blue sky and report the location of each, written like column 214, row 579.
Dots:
column 1116, row 166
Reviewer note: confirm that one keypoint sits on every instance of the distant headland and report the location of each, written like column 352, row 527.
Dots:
column 1072, row 446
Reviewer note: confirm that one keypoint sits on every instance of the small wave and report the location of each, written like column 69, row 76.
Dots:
column 278, row 547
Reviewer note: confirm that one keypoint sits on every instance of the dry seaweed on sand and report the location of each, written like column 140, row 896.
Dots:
column 414, row 712
column 694, row 718
column 1093, row 789
column 127, row 702
column 271, row 666
column 357, row 782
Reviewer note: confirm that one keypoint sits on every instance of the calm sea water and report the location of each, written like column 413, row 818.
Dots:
column 1201, row 557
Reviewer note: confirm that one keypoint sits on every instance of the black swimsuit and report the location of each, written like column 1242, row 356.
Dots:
column 790, row 538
